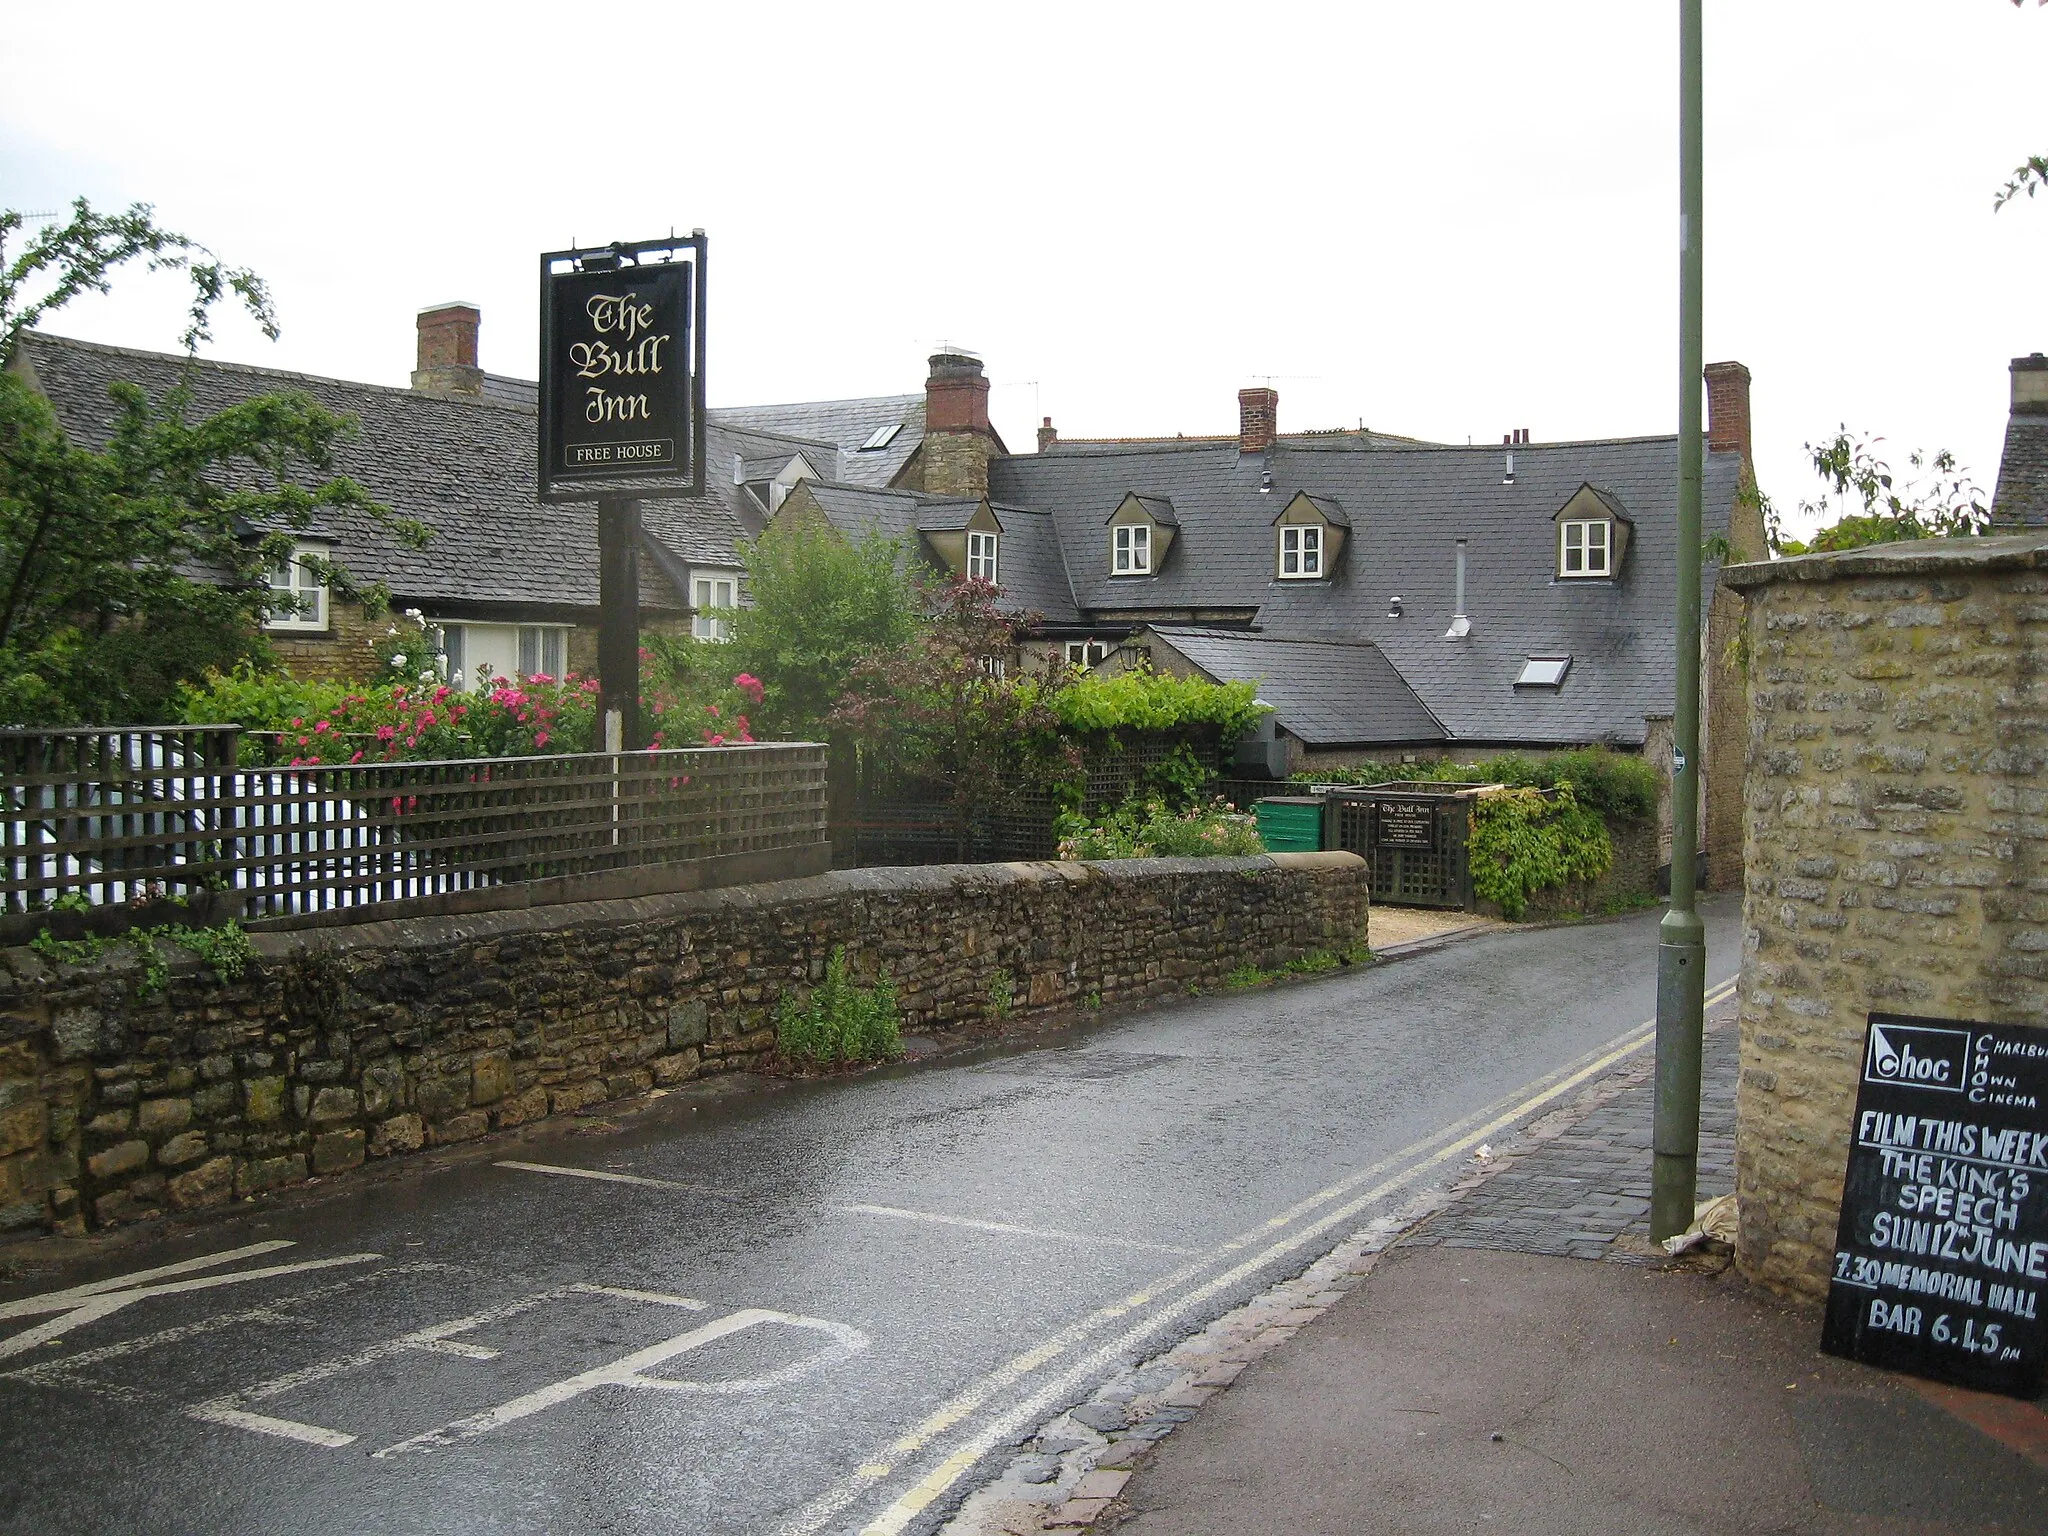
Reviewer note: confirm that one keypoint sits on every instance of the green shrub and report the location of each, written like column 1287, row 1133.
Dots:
column 1151, row 831
column 1144, row 700
column 1522, row 842
column 1614, row 785
column 840, row 1023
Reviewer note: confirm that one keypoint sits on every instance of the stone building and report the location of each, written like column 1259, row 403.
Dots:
column 513, row 582
column 1896, row 833
column 1392, row 598
column 2021, row 500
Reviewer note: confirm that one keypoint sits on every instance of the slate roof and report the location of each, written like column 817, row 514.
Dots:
column 1031, row 572
column 1330, row 693
column 463, row 466
column 2021, row 500
column 1407, row 505
column 844, row 423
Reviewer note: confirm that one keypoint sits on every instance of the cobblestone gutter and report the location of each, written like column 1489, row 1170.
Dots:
column 378, row 1040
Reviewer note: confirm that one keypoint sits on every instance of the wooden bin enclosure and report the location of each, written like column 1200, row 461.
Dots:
column 1416, row 838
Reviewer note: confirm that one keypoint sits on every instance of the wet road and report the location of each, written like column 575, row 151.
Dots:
column 812, row 1308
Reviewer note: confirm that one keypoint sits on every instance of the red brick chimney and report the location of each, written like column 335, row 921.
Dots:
column 1728, row 410
column 1258, row 419
column 447, row 350
column 958, row 440
column 1047, row 435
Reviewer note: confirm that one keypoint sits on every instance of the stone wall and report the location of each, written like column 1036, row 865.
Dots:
column 1896, row 844
column 376, row 1040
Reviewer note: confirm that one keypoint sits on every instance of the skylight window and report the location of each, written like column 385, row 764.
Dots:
column 1544, row 672
column 880, row 438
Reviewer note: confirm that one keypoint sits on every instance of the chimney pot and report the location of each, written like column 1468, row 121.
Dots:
column 1728, row 410
column 2030, row 385
column 1047, row 435
column 1258, row 419
column 958, row 441
column 447, row 350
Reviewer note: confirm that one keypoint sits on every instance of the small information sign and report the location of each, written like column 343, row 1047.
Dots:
column 1407, row 824
column 1941, row 1257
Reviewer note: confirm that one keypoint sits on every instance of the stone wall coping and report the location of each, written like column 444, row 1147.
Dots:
column 1914, row 557
column 906, row 880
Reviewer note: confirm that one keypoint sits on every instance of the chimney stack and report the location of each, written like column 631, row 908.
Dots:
column 2030, row 385
column 1728, row 410
column 447, row 350
column 958, row 440
column 1258, row 419
column 1047, row 435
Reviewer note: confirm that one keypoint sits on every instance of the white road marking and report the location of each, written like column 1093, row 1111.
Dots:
column 59, row 1301
column 611, row 1178
column 1007, row 1227
column 67, row 1370
column 626, row 1372
column 437, row 1338
column 263, row 1424
column 98, row 1302
column 896, row 1517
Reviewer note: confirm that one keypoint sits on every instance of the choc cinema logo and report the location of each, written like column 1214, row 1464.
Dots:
column 1917, row 1056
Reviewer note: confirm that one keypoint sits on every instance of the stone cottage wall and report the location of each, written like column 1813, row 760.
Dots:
column 371, row 1041
column 1896, row 844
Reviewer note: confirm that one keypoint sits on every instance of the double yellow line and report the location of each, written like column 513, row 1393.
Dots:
column 892, row 1521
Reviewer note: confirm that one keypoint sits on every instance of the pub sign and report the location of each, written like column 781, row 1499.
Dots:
column 621, row 407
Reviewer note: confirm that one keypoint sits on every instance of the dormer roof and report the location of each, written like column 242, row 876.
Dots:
column 1326, row 507
column 1158, row 508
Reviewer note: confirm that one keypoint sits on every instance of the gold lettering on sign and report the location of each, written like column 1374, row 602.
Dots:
column 635, row 352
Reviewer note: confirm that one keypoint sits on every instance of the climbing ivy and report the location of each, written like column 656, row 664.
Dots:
column 1524, row 842
column 225, row 949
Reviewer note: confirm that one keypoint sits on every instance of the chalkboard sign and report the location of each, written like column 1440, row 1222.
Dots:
column 1407, row 824
column 1941, row 1257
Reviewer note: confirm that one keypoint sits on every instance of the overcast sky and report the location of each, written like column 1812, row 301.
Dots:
column 1443, row 220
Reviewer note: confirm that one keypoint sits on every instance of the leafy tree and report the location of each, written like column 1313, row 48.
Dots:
column 820, row 603
column 2032, row 174
column 128, row 571
column 940, row 710
column 1865, row 502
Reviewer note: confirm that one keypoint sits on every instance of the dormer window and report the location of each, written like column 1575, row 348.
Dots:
column 1585, row 548
column 1593, row 529
column 1131, row 550
column 1308, row 536
column 981, row 557
column 1301, row 553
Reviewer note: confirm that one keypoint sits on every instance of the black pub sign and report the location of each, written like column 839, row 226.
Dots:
column 620, row 368
column 1941, row 1257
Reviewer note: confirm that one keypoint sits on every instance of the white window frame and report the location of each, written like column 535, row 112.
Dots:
column 1130, row 550
column 1585, row 547
column 546, row 643
column 981, row 556
column 295, row 581
column 1544, row 672
column 1301, row 552
column 713, row 594
column 1087, row 653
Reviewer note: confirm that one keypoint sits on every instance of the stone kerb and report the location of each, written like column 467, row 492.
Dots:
column 1895, row 843
column 380, row 1039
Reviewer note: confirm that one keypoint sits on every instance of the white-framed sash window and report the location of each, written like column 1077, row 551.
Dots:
column 714, row 594
column 1131, row 550
column 301, row 596
column 981, row 557
column 1585, row 548
column 1301, row 551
